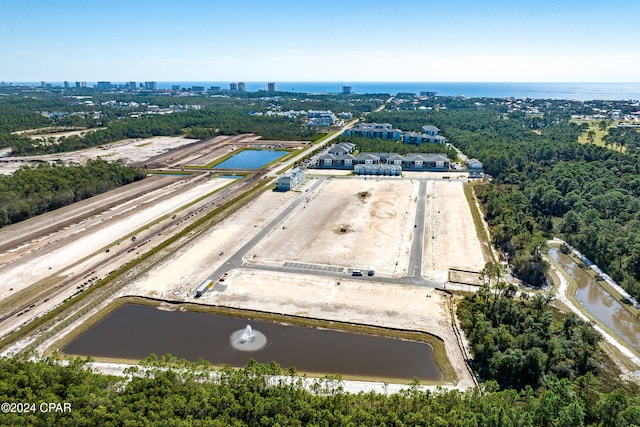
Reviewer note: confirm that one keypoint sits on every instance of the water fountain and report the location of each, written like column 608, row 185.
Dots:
column 248, row 339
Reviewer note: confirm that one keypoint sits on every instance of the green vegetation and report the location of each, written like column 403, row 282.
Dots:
column 378, row 145
column 31, row 191
column 441, row 358
column 539, row 366
column 516, row 342
column 168, row 391
column 625, row 138
column 218, row 116
column 594, row 131
column 196, row 124
column 546, row 183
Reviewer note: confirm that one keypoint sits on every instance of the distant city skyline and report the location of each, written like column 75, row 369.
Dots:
column 357, row 40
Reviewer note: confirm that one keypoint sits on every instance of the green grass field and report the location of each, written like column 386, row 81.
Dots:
column 598, row 135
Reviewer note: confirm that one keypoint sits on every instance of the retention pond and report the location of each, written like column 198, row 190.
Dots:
column 135, row 331
column 597, row 301
column 251, row 159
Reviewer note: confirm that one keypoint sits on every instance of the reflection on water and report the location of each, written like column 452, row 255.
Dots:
column 597, row 301
column 135, row 331
column 251, row 159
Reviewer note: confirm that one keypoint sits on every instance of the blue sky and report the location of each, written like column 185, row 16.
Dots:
column 329, row 40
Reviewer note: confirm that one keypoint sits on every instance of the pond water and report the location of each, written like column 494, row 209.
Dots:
column 251, row 159
column 231, row 176
column 135, row 331
column 597, row 301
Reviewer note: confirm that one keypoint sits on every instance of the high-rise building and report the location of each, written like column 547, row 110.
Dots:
column 132, row 86
column 241, row 87
column 104, row 85
column 271, row 86
column 66, row 84
column 347, row 90
column 150, row 85
column 233, row 86
column 175, row 87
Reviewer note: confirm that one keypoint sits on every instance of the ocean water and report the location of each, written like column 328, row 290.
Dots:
column 575, row 91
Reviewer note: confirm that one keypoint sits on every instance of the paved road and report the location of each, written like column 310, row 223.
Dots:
column 414, row 277
column 281, row 167
column 236, row 260
column 417, row 242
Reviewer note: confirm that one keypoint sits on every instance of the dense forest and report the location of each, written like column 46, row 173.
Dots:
column 182, row 396
column 516, row 341
column 546, row 183
column 126, row 116
column 31, row 191
column 196, row 124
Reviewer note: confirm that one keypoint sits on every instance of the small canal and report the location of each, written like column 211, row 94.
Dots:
column 597, row 301
column 135, row 331
column 251, row 159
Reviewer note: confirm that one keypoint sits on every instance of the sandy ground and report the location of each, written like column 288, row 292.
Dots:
column 310, row 235
column 348, row 386
column 129, row 150
column 379, row 304
column 14, row 236
column 210, row 157
column 347, row 222
column 57, row 135
column 389, row 305
column 569, row 301
column 58, row 250
column 563, row 289
column 450, row 240
column 336, row 227
column 194, row 262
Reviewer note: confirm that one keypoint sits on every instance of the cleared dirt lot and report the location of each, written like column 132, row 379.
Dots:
column 129, row 150
column 42, row 257
column 335, row 225
column 450, row 240
column 192, row 263
column 352, row 223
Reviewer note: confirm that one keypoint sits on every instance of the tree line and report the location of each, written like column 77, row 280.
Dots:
column 196, row 124
column 378, row 145
column 182, row 394
column 517, row 342
column 32, row 191
column 546, row 183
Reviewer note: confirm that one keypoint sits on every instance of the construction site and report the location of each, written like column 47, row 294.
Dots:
column 293, row 253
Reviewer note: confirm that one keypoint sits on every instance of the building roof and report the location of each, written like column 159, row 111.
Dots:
column 345, row 146
column 393, row 157
column 426, row 157
column 367, row 156
column 415, row 134
column 375, row 127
